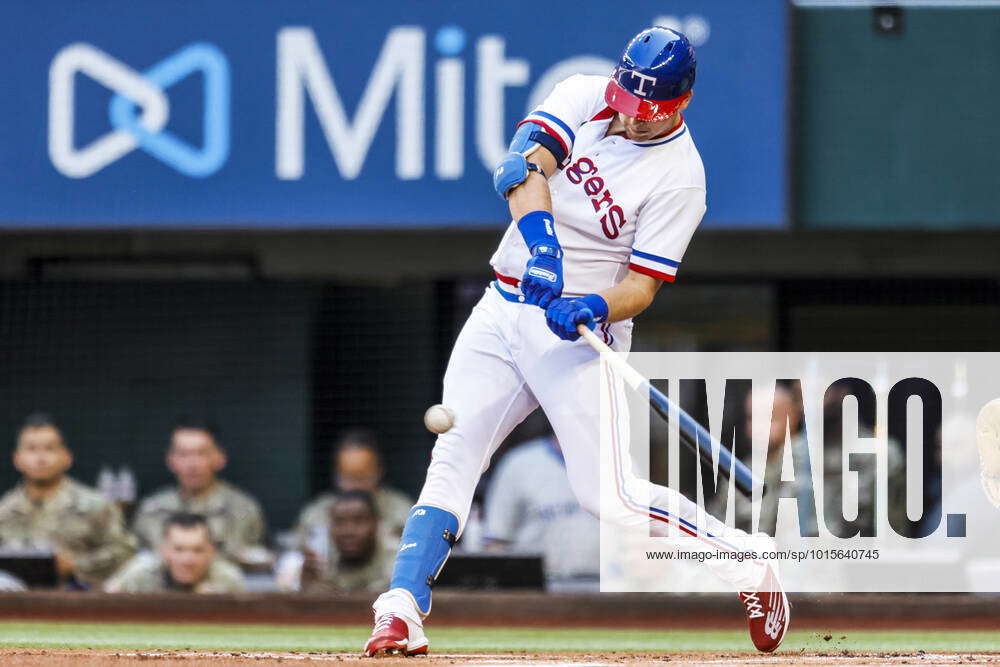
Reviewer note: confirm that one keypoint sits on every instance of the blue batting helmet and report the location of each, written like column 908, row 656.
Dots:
column 654, row 75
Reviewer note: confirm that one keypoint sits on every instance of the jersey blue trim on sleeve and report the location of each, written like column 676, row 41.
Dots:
column 655, row 258
column 557, row 121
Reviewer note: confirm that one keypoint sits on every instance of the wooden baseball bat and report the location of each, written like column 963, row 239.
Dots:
column 692, row 434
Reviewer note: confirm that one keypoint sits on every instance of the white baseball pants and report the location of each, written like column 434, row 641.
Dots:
column 505, row 363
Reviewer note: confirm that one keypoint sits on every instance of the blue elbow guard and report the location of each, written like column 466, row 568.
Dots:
column 512, row 170
column 529, row 134
column 427, row 539
column 522, row 138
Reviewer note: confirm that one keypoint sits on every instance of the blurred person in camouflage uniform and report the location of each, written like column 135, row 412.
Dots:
column 234, row 517
column 786, row 419
column 50, row 511
column 363, row 560
column 187, row 561
column 837, row 479
column 787, row 426
column 357, row 465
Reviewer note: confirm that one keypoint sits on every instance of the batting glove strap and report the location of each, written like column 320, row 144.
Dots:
column 552, row 251
column 598, row 306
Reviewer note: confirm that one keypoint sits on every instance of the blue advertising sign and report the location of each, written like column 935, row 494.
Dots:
column 233, row 113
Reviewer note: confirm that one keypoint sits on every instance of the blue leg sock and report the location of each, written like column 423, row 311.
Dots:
column 427, row 539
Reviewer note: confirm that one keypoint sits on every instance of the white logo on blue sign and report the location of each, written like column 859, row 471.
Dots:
column 135, row 91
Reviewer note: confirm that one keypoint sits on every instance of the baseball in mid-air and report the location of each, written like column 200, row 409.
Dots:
column 439, row 419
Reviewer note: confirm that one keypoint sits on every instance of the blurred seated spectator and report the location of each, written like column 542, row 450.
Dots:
column 786, row 420
column 234, row 518
column 356, row 466
column 363, row 561
column 530, row 509
column 837, row 479
column 49, row 511
column 188, row 561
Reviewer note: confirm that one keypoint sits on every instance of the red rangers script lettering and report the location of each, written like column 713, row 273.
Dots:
column 614, row 218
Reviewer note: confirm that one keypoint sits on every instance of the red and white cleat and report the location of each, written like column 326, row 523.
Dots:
column 767, row 613
column 392, row 635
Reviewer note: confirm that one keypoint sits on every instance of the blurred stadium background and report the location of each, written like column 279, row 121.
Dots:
column 291, row 276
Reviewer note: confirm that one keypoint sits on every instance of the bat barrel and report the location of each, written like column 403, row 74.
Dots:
column 696, row 437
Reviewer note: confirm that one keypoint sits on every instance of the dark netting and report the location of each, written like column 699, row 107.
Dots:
column 281, row 367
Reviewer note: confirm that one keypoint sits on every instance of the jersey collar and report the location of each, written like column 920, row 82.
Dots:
column 675, row 133
column 608, row 113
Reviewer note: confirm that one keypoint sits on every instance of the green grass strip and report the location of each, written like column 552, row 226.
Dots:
column 180, row 636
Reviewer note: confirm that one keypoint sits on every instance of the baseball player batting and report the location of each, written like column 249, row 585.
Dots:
column 605, row 188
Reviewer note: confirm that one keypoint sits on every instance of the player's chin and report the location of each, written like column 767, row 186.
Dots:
column 641, row 136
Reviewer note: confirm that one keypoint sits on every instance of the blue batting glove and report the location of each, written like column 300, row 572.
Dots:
column 563, row 315
column 543, row 276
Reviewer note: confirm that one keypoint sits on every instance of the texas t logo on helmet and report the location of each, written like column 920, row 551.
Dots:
column 643, row 79
column 654, row 76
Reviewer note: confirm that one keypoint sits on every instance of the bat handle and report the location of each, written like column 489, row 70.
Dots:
column 618, row 363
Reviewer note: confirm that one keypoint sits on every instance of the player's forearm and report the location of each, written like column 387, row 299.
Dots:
column 533, row 194
column 631, row 296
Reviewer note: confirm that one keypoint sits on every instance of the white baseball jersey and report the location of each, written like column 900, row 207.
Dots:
column 618, row 204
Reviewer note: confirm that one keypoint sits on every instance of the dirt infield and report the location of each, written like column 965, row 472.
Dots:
column 88, row 658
